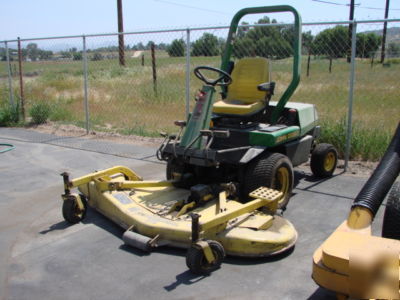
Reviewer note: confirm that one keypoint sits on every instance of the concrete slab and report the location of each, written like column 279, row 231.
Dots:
column 43, row 257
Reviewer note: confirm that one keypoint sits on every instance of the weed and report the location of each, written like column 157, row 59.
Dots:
column 366, row 143
column 9, row 115
column 40, row 112
column 393, row 61
column 139, row 130
column 60, row 113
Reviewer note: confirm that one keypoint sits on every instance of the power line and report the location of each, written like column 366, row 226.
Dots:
column 334, row 3
column 357, row 4
column 378, row 8
column 193, row 7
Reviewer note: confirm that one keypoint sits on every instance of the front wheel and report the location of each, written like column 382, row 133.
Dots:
column 197, row 262
column 323, row 160
column 272, row 170
column 71, row 211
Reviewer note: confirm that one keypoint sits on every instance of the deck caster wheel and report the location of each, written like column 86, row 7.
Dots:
column 74, row 208
column 323, row 160
column 196, row 259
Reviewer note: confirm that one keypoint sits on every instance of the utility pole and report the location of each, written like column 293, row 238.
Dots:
column 384, row 33
column 121, row 45
column 351, row 18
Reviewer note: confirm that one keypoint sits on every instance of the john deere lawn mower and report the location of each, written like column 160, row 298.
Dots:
column 229, row 168
column 244, row 137
column 354, row 263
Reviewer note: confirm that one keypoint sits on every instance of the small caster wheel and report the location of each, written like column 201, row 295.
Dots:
column 196, row 259
column 72, row 211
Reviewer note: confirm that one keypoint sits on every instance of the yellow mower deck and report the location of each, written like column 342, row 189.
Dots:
column 156, row 209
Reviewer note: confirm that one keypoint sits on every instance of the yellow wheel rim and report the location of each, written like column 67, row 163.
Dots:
column 329, row 161
column 283, row 181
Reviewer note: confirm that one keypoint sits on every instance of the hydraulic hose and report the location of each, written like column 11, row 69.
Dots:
column 378, row 185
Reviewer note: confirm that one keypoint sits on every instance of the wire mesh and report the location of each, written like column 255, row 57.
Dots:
column 146, row 94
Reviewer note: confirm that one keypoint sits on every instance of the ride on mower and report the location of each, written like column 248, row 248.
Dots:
column 244, row 138
column 229, row 169
column 354, row 263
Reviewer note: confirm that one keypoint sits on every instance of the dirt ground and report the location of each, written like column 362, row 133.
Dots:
column 356, row 168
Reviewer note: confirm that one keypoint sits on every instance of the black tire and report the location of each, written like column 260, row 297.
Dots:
column 174, row 166
column 391, row 218
column 71, row 213
column 323, row 160
column 197, row 262
column 272, row 170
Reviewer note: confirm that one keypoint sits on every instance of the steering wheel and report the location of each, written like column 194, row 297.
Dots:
column 224, row 78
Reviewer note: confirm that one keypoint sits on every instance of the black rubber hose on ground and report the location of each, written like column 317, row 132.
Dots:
column 378, row 185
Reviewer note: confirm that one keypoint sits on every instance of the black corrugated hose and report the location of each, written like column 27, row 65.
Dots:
column 378, row 185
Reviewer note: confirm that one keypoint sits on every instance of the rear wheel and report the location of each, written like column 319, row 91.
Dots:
column 391, row 219
column 272, row 170
column 323, row 160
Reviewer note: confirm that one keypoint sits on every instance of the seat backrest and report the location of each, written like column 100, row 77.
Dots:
column 247, row 74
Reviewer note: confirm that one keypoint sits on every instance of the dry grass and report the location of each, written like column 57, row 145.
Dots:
column 124, row 100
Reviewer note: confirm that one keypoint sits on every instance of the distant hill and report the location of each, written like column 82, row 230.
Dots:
column 393, row 33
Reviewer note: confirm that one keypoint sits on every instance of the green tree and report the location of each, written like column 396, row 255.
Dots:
column 393, row 49
column 367, row 44
column 43, row 54
column 140, row 46
column 66, row 54
column 97, row 56
column 162, row 46
column 148, row 46
column 177, row 48
column 32, row 51
column 242, row 30
column 266, row 41
column 207, row 45
column 333, row 42
column 307, row 40
column 77, row 56
column 244, row 47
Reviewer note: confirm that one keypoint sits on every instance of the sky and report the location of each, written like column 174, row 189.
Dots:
column 45, row 18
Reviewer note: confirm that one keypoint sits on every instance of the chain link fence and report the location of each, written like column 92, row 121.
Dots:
column 85, row 89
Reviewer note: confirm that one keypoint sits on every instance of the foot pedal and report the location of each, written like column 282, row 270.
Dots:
column 267, row 194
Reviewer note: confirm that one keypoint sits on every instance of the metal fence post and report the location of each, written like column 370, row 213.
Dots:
column 187, row 107
column 21, row 80
column 10, row 87
column 85, row 84
column 351, row 94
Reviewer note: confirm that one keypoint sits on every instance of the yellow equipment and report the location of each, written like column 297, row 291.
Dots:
column 207, row 219
column 352, row 262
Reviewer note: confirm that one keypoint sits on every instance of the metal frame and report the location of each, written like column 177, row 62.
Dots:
column 296, row 48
